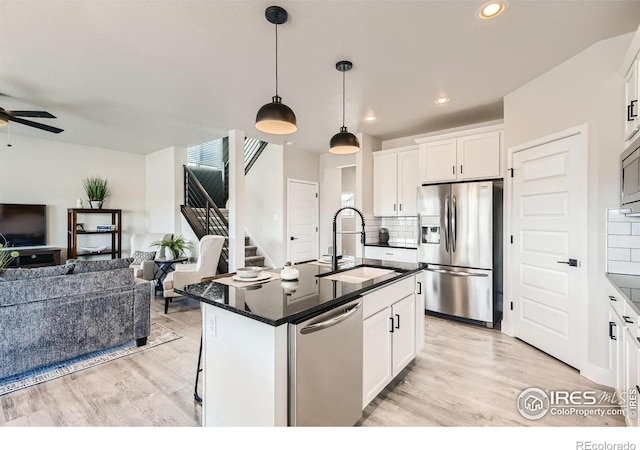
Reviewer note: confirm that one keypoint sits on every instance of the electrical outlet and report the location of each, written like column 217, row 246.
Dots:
column 212, row 325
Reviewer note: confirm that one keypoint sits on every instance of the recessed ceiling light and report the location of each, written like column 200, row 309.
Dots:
column 441, row 100
column 370, row 118
column 491, row 9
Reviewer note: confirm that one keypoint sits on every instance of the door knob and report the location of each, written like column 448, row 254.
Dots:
column 571, row 262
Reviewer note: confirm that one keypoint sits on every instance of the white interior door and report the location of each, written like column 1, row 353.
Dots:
column 302, row 220
column 549, row 219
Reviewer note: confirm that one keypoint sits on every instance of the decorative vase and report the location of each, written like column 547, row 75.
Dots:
column 96, row 204
column 79, row 204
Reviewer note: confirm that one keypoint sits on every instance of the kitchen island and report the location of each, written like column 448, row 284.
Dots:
column 249, row 370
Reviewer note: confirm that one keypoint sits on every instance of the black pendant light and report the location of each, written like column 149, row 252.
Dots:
column 343, row 143
column 276, row 117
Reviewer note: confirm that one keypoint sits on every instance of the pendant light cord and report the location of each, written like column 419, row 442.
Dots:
column 276, row 58
column 343, row 99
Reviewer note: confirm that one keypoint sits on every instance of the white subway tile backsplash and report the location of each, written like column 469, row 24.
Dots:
column 620, row 228
column 631, row 268
column 619, row 254
column 615, row 241
column 635, row 229
column 635, row 254
column 615, row 215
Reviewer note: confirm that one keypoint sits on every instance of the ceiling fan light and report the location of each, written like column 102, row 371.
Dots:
column 276, row 118
column 344, row 143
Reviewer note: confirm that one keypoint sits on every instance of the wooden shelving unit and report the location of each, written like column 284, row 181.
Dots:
column 73, row 246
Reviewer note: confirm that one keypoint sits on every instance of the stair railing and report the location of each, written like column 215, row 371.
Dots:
column 203, row 215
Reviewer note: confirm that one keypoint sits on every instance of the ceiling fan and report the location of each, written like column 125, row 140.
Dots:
column 15, row 116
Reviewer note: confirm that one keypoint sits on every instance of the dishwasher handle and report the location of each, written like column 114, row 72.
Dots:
column 457, row 274
column 330, row 322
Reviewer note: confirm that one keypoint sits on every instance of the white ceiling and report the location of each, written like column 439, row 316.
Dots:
column 144, row 75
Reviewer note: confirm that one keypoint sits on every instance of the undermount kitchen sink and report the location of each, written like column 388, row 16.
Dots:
column 359, row 274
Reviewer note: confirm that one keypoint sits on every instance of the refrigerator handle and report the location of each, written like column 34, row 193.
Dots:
column 454, row 213
column 446, row 223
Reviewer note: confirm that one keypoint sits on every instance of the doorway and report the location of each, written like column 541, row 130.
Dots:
column 548, row 250
column 302, row 220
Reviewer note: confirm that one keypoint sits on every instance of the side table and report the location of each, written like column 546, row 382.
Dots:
column 163, row 267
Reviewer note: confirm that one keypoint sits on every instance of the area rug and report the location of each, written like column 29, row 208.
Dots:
column 159, row 335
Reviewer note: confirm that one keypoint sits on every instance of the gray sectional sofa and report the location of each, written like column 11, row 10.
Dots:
column 52, row 314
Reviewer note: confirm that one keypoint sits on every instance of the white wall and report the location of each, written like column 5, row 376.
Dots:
column 348, row 182
column 264, row 212
column 585, row 89
column 47, row 172
column 160, row 192
column 330, row 189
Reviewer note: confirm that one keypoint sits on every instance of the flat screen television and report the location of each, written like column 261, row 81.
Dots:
column 23, row 225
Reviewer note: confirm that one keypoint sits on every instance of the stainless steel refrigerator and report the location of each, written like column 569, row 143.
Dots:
column 460, row 226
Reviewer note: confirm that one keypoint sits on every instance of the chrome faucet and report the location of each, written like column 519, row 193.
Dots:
column 334, row 257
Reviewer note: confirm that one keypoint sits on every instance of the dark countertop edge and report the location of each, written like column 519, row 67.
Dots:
column 311, row 311
column 635, row 307
column 378, row 244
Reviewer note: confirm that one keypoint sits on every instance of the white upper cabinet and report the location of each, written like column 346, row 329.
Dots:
column 438, row 161
column 479, row 156
column 395, row 182
column 630, row 70
column 468, row 157
column 631, row 101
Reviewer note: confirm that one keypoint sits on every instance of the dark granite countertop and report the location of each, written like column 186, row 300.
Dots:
column 278, row 301
column 392, row 245
column 629, row 288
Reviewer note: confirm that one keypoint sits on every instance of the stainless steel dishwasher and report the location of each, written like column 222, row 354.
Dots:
column 325, row 368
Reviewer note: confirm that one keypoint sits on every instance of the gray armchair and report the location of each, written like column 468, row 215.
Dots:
column 142, row 243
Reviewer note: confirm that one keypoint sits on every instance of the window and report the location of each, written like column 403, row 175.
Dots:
column 348, row 199
column 208, row 154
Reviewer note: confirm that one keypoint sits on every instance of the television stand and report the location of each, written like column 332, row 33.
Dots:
column 37, row 257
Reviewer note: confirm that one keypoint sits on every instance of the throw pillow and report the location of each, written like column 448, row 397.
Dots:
column 36, row 272
column 84, row 266
column 140, row 257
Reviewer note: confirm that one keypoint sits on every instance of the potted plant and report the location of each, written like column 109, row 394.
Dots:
column 172, row 247
column 6, row 256
column 97, row 190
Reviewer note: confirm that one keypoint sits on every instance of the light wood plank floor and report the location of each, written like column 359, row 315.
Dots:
column 466, row 376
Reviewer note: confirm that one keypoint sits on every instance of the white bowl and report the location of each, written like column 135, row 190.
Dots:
column 248, row 272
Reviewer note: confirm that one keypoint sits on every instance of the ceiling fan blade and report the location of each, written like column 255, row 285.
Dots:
column 34, row 124
column 42, row 114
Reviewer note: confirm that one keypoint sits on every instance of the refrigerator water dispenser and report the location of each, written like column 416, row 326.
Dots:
column 430, row 229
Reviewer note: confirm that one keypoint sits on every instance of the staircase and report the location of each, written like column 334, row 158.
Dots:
column 208, row 216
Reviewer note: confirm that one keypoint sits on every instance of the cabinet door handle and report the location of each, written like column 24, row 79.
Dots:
column 627, row 319
column 419, row 288
column 400, row 206
column 612, row 298
column 398, row 322
column 453, row 169
column 630, row 114
column 460, row 169
column 611, row 336
column 391, row 319
column 394, row 206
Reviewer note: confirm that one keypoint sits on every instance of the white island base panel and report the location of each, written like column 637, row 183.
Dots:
column 245, row 370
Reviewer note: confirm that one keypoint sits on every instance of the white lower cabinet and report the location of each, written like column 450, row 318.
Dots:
column 624, row 357
column 630, row 377
column 389, row 336
column 391, row 253
column 376, row 359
